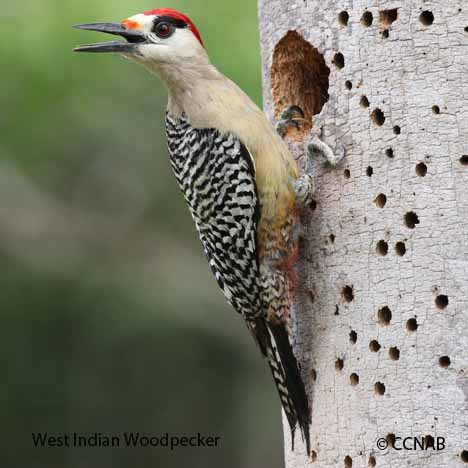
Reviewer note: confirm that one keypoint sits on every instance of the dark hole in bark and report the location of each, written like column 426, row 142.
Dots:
column 374, row 346
column 348, row 85
column 299, row 76
column 436, row 109
column 378, row 117
column 441, row 301
column 385, row 34
column 400, row 249
column 412, row 324
column 421, row 169
column 369, row 171
column 352, row 336
column 343, row 18
column 391, row 439
column 394, row 353
column 411, row 219
column 313, row 455
column 348, row 293
column 313, row 375
column 339, row 364
column 464, row 456
column 387, row 17
column 347, row 173
column 384, row 315
column 354, row 379
column 364, row 102
column 338, row 60
column 396, row 130
column 380, row 200
column 426, row 18
column 389, row 153
column 379, row 388
column 382, row 248
column 367, row 18
column 464, row 160
column 348, row 462
column 372, row 462
column 444, row 361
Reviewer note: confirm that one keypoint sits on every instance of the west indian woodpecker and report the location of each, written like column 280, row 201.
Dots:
column 239, row 179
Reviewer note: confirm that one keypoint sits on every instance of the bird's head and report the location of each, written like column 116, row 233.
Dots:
column 155, row 38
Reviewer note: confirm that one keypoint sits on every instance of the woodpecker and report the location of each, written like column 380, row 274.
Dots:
column 239, row 179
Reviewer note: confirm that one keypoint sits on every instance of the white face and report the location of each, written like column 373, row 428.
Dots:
column 167, row 41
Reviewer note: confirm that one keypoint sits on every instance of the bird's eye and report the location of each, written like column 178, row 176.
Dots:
column 163, row 30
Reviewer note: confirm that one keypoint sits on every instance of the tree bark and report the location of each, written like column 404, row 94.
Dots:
column 382, row 305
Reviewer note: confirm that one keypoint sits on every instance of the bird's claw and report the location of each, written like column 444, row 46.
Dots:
column 316, row 146
column 289, row 117
column 304, row 188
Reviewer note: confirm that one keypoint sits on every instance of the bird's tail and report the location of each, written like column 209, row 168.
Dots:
column 274, row 342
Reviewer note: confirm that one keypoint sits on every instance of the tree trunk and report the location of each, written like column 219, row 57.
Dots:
column 382, row 305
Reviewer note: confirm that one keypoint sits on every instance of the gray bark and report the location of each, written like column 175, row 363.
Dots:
column 382, row 306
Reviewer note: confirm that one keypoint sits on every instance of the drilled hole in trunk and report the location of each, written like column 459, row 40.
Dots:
column 412, row 324
column 379, row 388
column 354, row 379
column 394, row 353
column 387, row 17
column 441, row 301
column 382, row 248
column 347, row 293
column 426, row 18
column 444, row 361
column 378, row 117
column 343, row 18
column 400, row 249
column 374, row 346
column 421, row 169
column 299, row 77
column 380, row 200
column 367, row 18
column 384, row 315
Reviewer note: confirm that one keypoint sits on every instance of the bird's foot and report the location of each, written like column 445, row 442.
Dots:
column 315, row 146
column 304, row 188
column 292, row 116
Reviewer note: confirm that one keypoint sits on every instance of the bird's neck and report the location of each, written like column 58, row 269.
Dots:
column 187, row 81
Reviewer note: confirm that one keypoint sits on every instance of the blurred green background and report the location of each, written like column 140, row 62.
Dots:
column 110, row 319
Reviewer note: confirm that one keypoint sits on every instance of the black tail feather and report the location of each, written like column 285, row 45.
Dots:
column 274, row 343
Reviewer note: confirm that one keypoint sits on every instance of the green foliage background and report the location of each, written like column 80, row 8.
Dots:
column 111, row 320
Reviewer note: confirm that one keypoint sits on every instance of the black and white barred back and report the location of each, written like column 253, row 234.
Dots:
column 216, row 175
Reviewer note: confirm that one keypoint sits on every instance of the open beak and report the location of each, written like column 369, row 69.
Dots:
column 133, row 37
